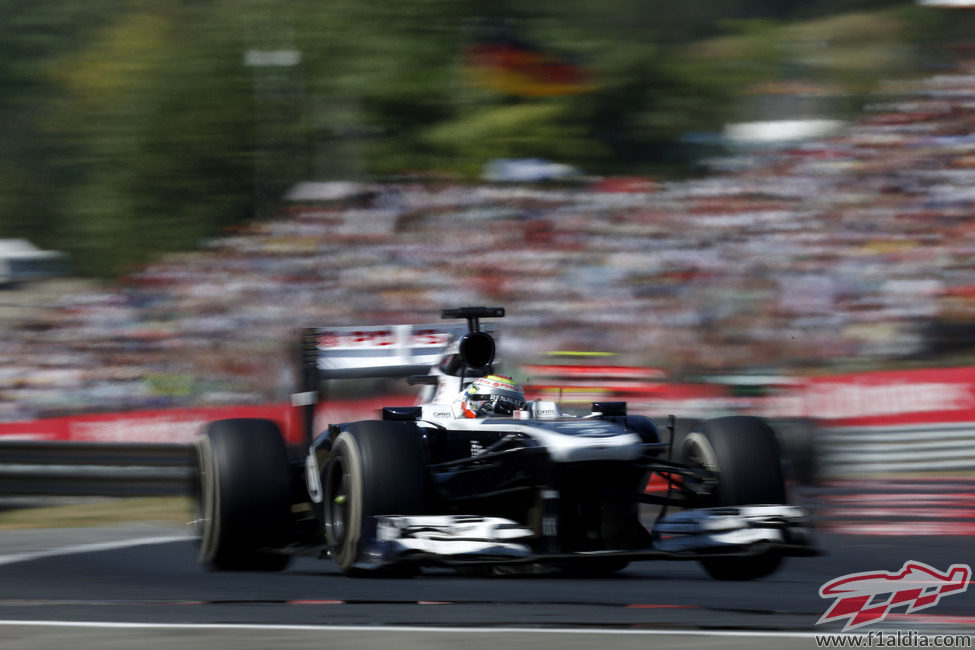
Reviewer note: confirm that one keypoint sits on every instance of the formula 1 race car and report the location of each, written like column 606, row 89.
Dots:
column 476, row 477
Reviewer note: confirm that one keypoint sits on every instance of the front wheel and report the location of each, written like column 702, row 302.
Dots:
column 744, row 453
column 375, row 468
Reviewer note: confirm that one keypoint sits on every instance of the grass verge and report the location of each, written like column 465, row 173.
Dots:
column 169, row 510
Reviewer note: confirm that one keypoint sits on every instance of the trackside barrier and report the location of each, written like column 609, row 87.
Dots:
column 144, row 453
column 924, row 449
column 30, row 468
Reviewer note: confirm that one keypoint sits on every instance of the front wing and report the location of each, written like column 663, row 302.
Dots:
column 450, row 540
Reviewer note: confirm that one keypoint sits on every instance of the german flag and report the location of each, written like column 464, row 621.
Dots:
column 515, row 67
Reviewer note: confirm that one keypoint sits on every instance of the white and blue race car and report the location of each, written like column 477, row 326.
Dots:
column 476, row 477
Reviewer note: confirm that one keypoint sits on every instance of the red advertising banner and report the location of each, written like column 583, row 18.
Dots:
column 177, row 426
column 882, row 398
column 181, row 426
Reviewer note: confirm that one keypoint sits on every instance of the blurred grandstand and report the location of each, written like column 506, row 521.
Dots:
column 857, row 249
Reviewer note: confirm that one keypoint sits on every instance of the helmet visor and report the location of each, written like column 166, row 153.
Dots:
column 497, row 404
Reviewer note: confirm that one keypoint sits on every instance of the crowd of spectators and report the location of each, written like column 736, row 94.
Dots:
column 860, row 247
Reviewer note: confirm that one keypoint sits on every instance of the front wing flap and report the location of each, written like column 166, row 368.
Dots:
column 450, row 540
column 708, row 530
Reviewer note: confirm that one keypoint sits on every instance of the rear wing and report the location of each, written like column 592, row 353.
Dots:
column 387, row 351
column 375, row 351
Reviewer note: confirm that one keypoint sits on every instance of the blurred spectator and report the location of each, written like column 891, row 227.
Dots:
column 854, row 249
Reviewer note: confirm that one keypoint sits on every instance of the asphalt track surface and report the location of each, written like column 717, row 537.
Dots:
column 151, row 593
column 139, row 585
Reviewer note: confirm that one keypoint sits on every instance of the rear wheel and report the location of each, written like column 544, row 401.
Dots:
column 744, row 452
column 243, row 495
column 375, row 468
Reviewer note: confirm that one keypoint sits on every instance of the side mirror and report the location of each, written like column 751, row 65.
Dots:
column 477, row 349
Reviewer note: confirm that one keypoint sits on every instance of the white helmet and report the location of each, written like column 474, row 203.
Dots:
column 490, row 395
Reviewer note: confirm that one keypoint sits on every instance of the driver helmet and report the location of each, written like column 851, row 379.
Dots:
column 490, row 395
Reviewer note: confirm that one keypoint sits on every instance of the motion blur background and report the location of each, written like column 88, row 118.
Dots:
column 703, row 186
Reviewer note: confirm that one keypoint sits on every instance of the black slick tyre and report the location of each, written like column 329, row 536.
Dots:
column 374, row 468
column 244, row 496
column 744, row 452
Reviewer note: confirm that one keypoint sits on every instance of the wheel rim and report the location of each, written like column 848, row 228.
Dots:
column 337, row 501
column 700, row 455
